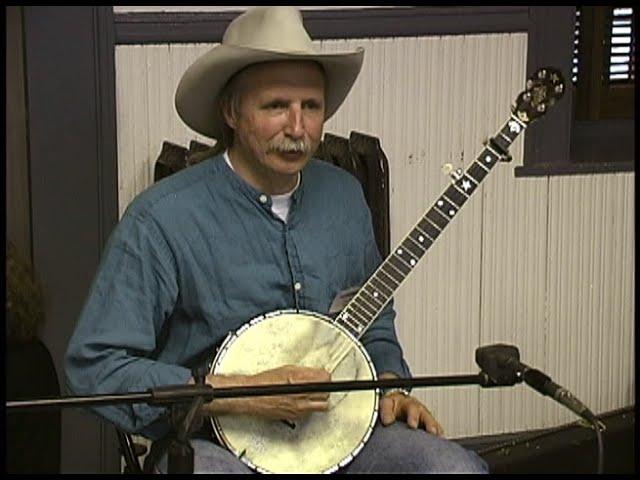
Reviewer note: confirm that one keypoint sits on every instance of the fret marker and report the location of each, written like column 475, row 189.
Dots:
column 412, row 262
column 451, row 212
column 440, row 203
column 488, row 159
column 421, row 239
column 375, row 294
column 399, row 252
column 514, row 126
column 466, row 185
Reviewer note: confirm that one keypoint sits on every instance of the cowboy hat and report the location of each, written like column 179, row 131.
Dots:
column 261, row 34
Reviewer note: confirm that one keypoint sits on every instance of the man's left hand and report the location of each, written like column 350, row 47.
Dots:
column 398, row 406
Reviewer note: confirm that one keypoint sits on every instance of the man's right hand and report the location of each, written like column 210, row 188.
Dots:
column 281, row 407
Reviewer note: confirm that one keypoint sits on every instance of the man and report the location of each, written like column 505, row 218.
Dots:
column 261, row 228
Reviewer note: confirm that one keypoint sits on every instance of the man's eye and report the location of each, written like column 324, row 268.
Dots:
column 276, row 106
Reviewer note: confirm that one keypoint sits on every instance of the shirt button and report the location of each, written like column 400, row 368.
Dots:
column 297, row 286
column 263, row 198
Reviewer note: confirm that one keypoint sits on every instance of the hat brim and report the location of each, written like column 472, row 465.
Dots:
column 198, row 91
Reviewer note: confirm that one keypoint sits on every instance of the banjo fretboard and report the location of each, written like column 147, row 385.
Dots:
column 374, row 295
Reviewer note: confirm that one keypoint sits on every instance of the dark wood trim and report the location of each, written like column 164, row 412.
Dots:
column 553, row 168
column 107, row 167
column 18, row 198
column 551, row 44
column 106, row 116
column 69, row 65
column 142, row 28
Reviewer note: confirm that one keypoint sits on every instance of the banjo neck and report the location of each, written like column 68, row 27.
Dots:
column 358, row 315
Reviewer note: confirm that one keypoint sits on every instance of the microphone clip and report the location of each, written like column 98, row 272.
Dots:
column 499, row 364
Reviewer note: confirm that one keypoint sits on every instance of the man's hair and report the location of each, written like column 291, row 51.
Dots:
column 229, row 98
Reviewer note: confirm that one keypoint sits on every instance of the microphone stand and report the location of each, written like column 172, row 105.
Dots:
column 184, row 402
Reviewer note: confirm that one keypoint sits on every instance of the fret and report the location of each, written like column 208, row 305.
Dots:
column 379, row 286
column 477, row 171
column 373, row 301
column 399, row 264
column 421, row 238
column 478, row 162
column 446, row 208
column 488, row 158
column 501, row 142
column 352, row 330
column 365, row 307
column 417, row 249
column 392, row 272
column 351, row 325
column 466, row 185
column 375, row 293
column 512, row 129
column 358, row 313
column 454, row 195
column 505, row 138
column 350, row 315
column 429, row 228
column 437, row 218
column 370, row 306
column 406, row 256
column 493, row 150
column 347, row 321
column 392, row 282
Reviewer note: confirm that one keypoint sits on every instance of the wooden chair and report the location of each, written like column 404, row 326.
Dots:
column 360, row 154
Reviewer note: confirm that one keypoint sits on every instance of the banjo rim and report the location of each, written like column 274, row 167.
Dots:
column 232, row 336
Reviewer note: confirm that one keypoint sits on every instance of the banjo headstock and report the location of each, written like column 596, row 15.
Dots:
column 543, row 89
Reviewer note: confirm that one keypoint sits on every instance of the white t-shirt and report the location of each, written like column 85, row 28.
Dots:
column 279, row 203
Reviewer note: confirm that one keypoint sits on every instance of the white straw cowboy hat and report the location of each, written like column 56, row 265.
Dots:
column 261, row 34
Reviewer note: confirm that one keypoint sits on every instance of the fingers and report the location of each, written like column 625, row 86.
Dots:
column 430, row 423
column 398, row 407
column 387, row 410
column 316, row 406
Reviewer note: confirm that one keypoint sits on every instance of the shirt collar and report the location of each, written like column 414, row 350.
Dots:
column 257, row 195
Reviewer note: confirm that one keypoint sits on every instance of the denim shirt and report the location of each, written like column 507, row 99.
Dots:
column 199, row 254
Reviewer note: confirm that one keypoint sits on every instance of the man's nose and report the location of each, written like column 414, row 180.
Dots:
column 295, row 122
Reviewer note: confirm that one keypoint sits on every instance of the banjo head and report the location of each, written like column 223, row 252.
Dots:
column 322, row 442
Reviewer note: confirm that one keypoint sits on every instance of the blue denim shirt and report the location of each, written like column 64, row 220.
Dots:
column 199, row 254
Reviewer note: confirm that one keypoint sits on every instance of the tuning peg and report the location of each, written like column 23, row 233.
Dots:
column 456, row 174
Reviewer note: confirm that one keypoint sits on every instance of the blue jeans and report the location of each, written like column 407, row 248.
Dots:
column 393, row 449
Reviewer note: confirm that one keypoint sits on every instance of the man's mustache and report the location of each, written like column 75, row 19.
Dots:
column 289, row 145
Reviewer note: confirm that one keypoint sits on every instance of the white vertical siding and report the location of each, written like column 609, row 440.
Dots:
column 546, row 264
column 591, row 285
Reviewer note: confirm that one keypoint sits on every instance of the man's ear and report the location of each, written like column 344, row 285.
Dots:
column 228, row 115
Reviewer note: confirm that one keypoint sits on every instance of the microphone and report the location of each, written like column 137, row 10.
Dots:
column 544, row 385
column 501, row 363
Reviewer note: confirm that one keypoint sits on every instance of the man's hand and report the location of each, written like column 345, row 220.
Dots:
column 281, row 407
column 398, row 406
column 292, row 407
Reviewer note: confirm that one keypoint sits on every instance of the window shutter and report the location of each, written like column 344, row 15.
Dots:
column 620, row 45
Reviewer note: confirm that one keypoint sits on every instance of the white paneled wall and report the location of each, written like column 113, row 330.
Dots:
column 546, row 264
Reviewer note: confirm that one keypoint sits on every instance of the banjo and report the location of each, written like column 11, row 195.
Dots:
column 323, row 442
